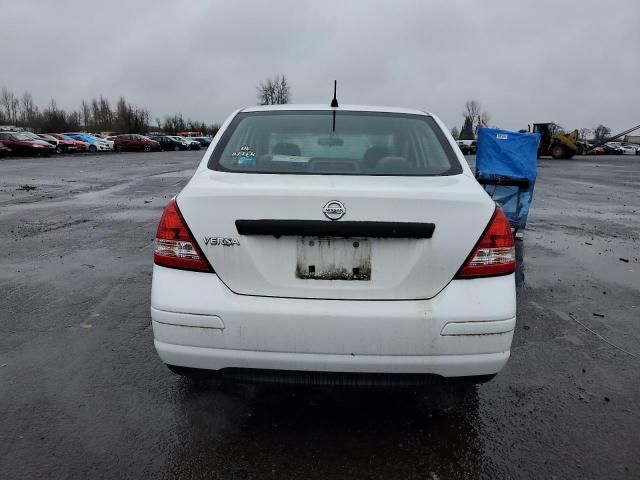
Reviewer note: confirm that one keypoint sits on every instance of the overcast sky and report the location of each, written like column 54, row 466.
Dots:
column 573, row 62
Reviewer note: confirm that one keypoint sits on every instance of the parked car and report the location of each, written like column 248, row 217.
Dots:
column 613, row 148
column 60, row 145
column 630, row 148
column 470, row 144
column 22, row 143
column 464, row 148
column 80, row 145
column 170, row 143
column 4, row 151
column 594, row 151
column 360, row 251
column 95, row 144
column 627, row 150
column 191, row 143
column 135, row 142
column 203, row 141
column 110, row 143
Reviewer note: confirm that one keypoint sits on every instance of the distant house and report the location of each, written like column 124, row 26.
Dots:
column 632, row 139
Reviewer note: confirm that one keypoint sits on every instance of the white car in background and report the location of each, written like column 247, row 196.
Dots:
column 628, row 150
column 182, row 140
column 105, row 144
column 191, row 143
column 347, row 243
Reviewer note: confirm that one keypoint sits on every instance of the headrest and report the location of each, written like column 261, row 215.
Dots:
column 286, row 149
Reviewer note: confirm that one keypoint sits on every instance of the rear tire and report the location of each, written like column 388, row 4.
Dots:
column 59, row 150
column 93, row 149
column 558, row 151
column 118, row 148
column 147, row 148
column 176, row 148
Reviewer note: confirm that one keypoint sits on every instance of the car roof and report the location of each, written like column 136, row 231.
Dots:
column 327, row 108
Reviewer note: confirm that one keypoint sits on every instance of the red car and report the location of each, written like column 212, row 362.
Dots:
column 60, row 145
column 80, row 146
column 132, row 142
column 4, row 151
column 595, row 151
column 22, row 143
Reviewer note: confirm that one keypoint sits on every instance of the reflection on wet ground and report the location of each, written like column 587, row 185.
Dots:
column 322, row 433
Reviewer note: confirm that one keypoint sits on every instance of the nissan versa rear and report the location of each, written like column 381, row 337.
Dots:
column 345, row 242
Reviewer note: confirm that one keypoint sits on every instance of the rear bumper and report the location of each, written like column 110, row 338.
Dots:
column 465, row 331
column 443, row 365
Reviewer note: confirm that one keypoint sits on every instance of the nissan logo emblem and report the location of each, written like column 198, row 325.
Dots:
column 334, row 210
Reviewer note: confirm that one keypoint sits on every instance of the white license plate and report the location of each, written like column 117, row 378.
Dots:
column 333, row 259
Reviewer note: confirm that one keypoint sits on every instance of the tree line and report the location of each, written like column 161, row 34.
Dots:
column 474, row 116
column 274, row 91
column 95, row 115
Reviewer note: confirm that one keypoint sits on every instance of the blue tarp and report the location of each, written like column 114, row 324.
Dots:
column 506, row 155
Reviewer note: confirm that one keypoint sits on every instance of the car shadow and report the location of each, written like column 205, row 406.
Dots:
column 254, row 431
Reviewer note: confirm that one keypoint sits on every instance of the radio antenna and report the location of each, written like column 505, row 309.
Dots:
column 334, row 102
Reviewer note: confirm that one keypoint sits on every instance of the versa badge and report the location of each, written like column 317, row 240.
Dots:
column 220, row 241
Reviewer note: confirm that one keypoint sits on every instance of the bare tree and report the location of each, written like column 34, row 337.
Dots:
column 6, row 100
column 455, row 133
column 274, row 91
column 10, row 104
column 85, row 114
column 15, row 107
column 95, row 116
column 472, row 110
column 73, row 120
column 106, row 114
column 584, row 133
column 27, row 109
column 601, row 132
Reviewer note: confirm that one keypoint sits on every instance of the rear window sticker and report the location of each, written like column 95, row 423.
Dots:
column 245, row 151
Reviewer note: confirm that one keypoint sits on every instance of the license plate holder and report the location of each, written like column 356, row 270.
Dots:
column 331, row 258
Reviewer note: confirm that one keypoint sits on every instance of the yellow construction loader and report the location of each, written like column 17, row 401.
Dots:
column 555, row 142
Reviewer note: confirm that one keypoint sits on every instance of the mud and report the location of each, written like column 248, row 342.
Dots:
column 83, row 394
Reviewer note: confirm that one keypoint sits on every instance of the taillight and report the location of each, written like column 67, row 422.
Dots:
column 495, row 252
column 175, row 246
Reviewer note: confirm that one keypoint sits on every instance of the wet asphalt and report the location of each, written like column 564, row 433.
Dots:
column 84, row 395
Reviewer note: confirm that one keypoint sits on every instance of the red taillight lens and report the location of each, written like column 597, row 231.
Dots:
column 175, row 246
column 495, row 253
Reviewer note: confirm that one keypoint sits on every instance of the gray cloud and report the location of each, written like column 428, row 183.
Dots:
column 573, row 62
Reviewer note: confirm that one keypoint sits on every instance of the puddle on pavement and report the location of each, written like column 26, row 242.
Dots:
column 435, row 433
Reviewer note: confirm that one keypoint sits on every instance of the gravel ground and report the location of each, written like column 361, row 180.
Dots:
column 84, row 394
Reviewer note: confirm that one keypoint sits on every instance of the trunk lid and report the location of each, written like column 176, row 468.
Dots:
column 357, row 267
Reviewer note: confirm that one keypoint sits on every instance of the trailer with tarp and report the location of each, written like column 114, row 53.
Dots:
column 506, row 167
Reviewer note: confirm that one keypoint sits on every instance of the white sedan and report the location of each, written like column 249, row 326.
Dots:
column 318, row 242
column 628, row 150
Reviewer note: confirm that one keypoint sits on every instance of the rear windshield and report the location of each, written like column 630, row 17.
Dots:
column 338, row 143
